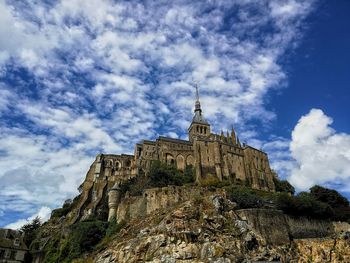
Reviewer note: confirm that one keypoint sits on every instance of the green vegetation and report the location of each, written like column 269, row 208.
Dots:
column 320, row 203
column 245, row 197
column 304, row 204
column 81, row 238
column 114, row 227
column 30, row 231
column 339, row 203
column 66, row 208
column 283, row 186
column 160, row 175
column 328, row 196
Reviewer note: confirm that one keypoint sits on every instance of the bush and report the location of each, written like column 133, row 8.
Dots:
column 304, row 205
column 210, row 180
column 160, row 175
column 329, row 196
column 82, row 238
column 114, row 227
column 283, row 186
column 245, row 198
column 30, row 231
column 66, row 208
column 342, row 214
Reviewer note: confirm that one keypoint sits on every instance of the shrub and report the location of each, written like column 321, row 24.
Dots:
column 82, row 238
column 160, row 175
column 114, row 227
column 245, row 198
column 66, row 208
column 210, row 180
column 30, row 231
column 283, row 186
column 328, row 196
column 342, row 214
column 304, row 205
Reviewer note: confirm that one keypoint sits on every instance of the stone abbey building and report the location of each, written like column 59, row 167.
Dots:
column 212, row 155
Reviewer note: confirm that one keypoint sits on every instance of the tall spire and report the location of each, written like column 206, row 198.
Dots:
column 197, row 104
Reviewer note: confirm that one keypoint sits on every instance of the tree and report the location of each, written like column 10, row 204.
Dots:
column 283, row 186
column 329, row 196
column 304, row 204
column 334, row 199
column 30, row 230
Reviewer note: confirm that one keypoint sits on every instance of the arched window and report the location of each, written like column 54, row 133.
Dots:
column 170, row 158
column 201, row 129
column 205, row 130
column 190, row 160
column 180, row 162
column 117, row 166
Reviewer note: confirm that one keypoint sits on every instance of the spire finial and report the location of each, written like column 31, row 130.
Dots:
column 197, row 92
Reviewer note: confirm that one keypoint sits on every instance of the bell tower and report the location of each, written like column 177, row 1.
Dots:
column 199, row 126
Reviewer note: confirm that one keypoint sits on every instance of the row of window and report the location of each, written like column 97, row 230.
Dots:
column 117, row 165
column 201, row 129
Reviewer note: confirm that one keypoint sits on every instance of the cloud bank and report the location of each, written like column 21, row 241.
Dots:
column 322, row 155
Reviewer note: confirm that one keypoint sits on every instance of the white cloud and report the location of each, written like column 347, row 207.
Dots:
column 44, row 214
column 322, row 155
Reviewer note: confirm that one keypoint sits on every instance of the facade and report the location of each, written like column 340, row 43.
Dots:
column 12, row 247
column 212, row 155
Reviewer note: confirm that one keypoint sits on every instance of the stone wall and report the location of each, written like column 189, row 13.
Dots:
column 277, row 228
column 270, row 224
column 153, row 199
column 302, row 227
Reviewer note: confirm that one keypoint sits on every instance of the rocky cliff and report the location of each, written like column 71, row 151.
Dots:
column 208, row 228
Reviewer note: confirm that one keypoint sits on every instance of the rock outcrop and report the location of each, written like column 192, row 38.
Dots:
column 207, row 228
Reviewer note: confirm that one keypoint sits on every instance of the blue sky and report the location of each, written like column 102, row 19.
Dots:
column 82, row 77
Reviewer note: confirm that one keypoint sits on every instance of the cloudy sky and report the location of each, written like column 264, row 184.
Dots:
column 82, row 77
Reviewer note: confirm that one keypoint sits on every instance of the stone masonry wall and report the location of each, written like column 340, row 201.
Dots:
column 153, row 199
column 278, row 228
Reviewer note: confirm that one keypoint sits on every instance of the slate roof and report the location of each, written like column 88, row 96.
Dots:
column 199, row 118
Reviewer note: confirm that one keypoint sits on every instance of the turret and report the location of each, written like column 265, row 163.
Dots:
column 114, row 196
column 238, row 142
column 228, row 137
column 233, row 136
